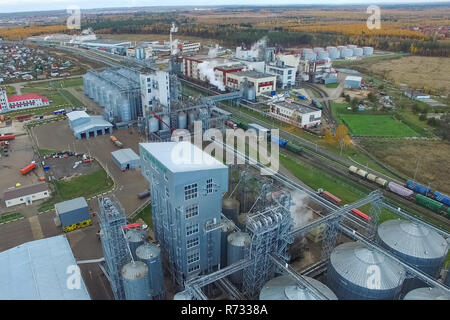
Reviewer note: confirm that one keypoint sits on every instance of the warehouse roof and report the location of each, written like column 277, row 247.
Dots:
column 181, row 156
column 253, row 74
column 70, row 205
column 74, row 115
column 353, row 78
column 296, row 106
column 94, row 122
column 28, row 96
column 125, row 155
column 38, row 270
column 25, row 191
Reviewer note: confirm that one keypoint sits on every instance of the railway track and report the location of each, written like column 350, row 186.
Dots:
column 324, row 99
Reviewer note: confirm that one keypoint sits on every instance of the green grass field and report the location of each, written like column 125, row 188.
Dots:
column 332, row 85
column 377, row 125
column 146, row 215
column 10, row 217
column 71, row 82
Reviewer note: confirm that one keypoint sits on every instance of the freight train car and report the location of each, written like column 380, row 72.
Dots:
column 331, row 197
column 445, row 199
column 417, row 187
column 431, row 204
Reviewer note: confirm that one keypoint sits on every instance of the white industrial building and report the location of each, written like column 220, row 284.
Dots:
column 26, row 194
column 285, row 74
column 296, row 114
column 126, row 159
column 352, row 82
column 262, row 82
column 20, row 102
column 86, row 126
column 189, row 47
column 155, row 87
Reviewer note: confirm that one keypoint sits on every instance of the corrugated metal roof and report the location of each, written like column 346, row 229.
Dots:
column 353, row 78
column 148, row 251
column 125, row 155
column 412, row 239
column 70, row 205
column 182, row 156
column 25, row 191
column 94, row 122
column 427, row 294
column 37, row 270
column 356, row 263
column 74, row 115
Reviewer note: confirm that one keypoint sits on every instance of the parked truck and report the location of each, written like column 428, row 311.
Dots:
column 28, row 168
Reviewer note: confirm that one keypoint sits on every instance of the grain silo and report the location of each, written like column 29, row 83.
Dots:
column 414, row 244
column 318, row 49
column 135, row 238
column 352, row 46
column 227, row 229
column 135, row 281
column 346, row 52
column 356, row 272
column 310, row 56
column 237, row 244
column 368, row 51
column 358, row 52
column 153, row 124
column 322, row 55
column 334, row 53
column 427, row 294
column 182, row 120
column 286, row 288
column 150, row 254
column 230, row 208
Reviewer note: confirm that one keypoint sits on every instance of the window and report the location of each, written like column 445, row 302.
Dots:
column 193, row 257
column 165, row 177
column 209, row 186
column 194, row 268
column 191, row 229
column 149, row 90
column 167, row 192
column 192, row 243
column 190, row 191
column 191, row 211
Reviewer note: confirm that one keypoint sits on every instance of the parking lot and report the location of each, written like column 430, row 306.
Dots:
column 65, row 167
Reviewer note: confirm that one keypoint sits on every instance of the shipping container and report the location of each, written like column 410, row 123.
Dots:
column 400, row 190
column 429, row 203
column 445, row 199
column 331, row 197
column 417, row 187
column 28, row 168
column 46, row 168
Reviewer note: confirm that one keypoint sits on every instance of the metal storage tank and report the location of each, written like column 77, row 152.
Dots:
column 351, row 271
column 150, row 254
column 230, row 208
column 331, row 48
column 242, row 220
column 135, row 238
column 334, row 53
column 307, row 51
column 352, row 46
column 346, row 52
column 237, row 243
column 371, row 177
column 153, row 124
column 427, row 294
column 322, row 55
column 368, row 51
column 415, row 245
column 182, row 120
column 191, row 118
column 183, row 295
column 166, row 120
column 318, row 49
column 357, row 52
column 341, row 47
column 310, row 56
column 135, row 281
column 227, row 228
column 285, row 288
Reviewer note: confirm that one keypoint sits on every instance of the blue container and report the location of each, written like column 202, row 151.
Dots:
column 280, row 141
column 417, row 187
column 273, row 93
column 301, row 97
column 46, row 168
column 445, row 199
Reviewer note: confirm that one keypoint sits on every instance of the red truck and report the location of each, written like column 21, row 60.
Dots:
column 28, row 168
column 7, row 137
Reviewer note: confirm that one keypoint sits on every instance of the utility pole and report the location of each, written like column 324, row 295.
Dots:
column 417, row 168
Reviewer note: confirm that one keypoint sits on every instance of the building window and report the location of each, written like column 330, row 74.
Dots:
column 192, row 243
column 209, row 186
column 167, row 192
column 194, row 268
column 193, row 257
column 165, row 177
column 191, row 229
column 149, row 90
column 191, row 211
column 190, row 191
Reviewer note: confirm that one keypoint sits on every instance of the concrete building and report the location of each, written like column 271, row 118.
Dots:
column 126, row 159
column 262, row 82
column 40, row 270
column 250, row 55
column 189, row 47
column 21, row 102
column 26, row 194
column 297, row 114
column 285, row 74
column 155, row 87
column 186, row 186
column 86, row 126
column 72, row 211
column 352, row 82
column 222, row 71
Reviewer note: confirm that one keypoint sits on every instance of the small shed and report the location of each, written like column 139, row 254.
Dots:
column 126, row 159
column 353, row 82
column 72, row 211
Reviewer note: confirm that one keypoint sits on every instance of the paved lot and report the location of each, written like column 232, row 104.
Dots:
column 58, row 136
column 60, row 168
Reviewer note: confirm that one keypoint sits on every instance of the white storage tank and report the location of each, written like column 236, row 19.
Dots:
column 307, row 50
column 286, row 288
column 237, row 243
column 135, row 281
column 153, row 124
column 135, row 238
column 367, row 51
column 427, row 294
column 352, row 46
column 357, row 52
column 182, row 120
column 346, row 52
column 191, row 118
column 322, row 55
column 334, row 53
column 318, row 49
column 310, row 56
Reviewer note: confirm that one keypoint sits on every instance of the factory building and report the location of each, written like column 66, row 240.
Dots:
column 188, row 47
column 155, row 87
column 297, row 114
column 26, row 194
column 262, row 82
column 21, row 102
column 73, row 212
column 285, row 74
column 222, row 71
column 118, row 91
column 38, row 270
column 352, row 82
column 186, row 186
column 126, row 159
column 86, row 126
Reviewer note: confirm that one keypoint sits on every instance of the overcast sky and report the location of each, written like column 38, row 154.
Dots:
column 35, row 5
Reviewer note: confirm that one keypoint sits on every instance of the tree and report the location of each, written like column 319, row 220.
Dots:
column 341, row 132
column 329, row 136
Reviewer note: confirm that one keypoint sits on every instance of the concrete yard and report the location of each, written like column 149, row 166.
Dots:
column 60, row 168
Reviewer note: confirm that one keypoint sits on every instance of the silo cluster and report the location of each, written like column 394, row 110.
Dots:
column 333, row 52
column 150, row 254
column 135, row 281
column 135, row 238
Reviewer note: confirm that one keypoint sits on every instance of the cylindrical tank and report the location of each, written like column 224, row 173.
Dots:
column 322, row 55
column 285, row 288
column 358, row 273
column 318, row 49
column 357, row 52
column 334, row 53
column 346, row 52
column 310, row 56
column 182, row 120
column 331, row 48
column 153, row 124
column 341, row 47
column 352, row 46
column 166, row 120
column 237, row 243
column 183, row 295
column 150, row 254
column 135, row 281
column 230, row 208
column 135, row 238
column 371, row 177
column 414, row 244
column 427, row 294
column 367, row 51
column 242, row 220
column 307, row 50
column 191, row 118
column 227, row 228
